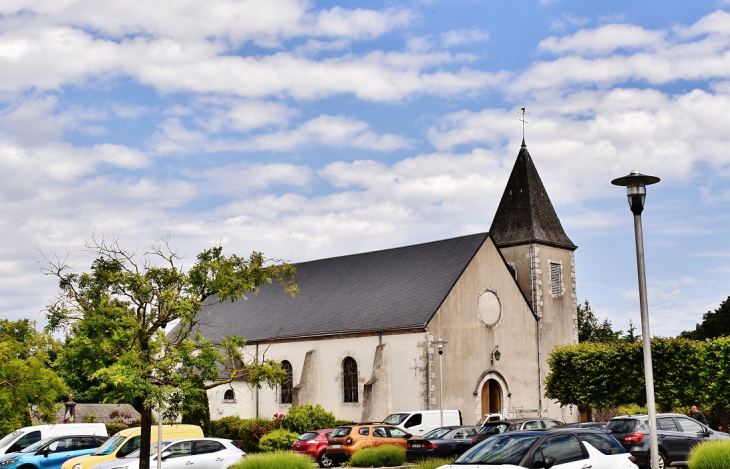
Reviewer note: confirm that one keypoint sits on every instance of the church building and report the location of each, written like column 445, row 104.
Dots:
column 362, row 336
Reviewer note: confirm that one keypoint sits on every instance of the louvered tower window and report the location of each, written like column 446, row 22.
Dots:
column 556, row 278
column 349, row 379
column 287, row 386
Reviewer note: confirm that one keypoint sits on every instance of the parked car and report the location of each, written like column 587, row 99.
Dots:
column 128, row 440
column 420, row 422
column 51, row 453
column 180, row 453
column 24, row 437
column 559, row 448
column 444, row 442
column 591, row 425
column 490, row 429
column 347, row 439
column 676, row 435
column 314, row 444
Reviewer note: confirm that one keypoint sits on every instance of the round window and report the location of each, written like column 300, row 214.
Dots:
column 489, row 308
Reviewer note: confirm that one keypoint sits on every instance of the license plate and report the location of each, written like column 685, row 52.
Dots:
column 335, row 446
column 416, row 446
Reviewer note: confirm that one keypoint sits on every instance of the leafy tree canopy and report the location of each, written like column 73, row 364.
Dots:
column 590, row 330
column 132, row 318
column 27, row 382
column 714, row 324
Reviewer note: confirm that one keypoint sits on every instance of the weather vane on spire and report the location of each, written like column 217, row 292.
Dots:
column 523, row 123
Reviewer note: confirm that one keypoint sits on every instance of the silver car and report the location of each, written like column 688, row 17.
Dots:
column 184, row 453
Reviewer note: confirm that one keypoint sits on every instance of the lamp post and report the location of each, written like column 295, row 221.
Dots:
column 440, row 343
column 635, row 184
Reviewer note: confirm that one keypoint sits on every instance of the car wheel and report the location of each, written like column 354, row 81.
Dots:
column 662, row 461
column 324, row 461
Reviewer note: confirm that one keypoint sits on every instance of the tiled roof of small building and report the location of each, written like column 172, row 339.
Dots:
column 392, row 289
column 525, row 213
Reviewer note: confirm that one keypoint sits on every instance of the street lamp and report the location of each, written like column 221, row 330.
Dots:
column 440, row 343
column 635, row 184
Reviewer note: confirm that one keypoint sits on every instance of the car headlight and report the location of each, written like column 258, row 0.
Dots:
column 7, row 462
column 120, row 467
column 76, row 466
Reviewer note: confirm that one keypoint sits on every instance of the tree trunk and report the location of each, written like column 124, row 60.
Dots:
column 145, row 437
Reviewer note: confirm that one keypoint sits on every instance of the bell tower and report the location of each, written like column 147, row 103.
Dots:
column 531, row 238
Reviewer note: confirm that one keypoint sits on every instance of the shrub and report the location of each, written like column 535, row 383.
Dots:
column 278, row 440
column 382, row 456
column 114, row 427
column 249, row 431
column 304, row 418
column 276, row 460
column 89, row 418
column 432, row 463
column 710, row 455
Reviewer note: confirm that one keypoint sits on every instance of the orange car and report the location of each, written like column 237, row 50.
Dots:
column 347, row 439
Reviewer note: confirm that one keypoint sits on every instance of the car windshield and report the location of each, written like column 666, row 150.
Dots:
column 341, row 431
column 437, row 433
column 153, row 450
column 36, row 446
column 109, row 446
column 396, row 419
column 9, row 438
column 500, row 449
column 308, row 436
column 623, row 425
column 493, row 429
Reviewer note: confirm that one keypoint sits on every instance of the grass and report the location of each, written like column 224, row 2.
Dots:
column 433, row 463
column 275, row 460
column 714, row 454
column 382, row 456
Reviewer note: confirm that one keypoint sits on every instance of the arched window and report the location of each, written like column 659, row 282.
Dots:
column 349, row 379
column 287, row 386
column 229, row 395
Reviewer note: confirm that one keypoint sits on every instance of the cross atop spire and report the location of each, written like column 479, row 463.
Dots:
column 523, row 126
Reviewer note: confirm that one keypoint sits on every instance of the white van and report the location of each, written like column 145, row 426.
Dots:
column 26, row 436
column 420, row 422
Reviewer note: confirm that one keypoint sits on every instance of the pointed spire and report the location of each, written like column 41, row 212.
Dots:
column 525, row 213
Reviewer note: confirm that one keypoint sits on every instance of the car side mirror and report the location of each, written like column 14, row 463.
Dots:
column 165, row 454
column 408, row 435
column 46, row 452
column 546, row 464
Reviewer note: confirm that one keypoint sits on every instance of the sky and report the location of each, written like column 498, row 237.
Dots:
column 310, row 129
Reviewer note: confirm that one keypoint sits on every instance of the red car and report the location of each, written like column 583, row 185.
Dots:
column 314, row 443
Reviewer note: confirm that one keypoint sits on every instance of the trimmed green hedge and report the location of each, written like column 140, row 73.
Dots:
column 714, row 454
column 249, row 431
column 382, row 456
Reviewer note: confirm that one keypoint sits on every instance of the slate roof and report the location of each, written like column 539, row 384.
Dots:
column 392, row 289
column 525, row 213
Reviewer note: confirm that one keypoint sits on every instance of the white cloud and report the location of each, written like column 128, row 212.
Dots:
column 605, row 39
column 242, row 178
column 324, row 130
column 457, row 37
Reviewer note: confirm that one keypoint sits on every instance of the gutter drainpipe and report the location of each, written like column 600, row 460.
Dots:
column 539, row 330
column 257, row 388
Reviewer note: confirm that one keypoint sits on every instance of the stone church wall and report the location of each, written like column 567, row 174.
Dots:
column 485, row 309
column 391, row 376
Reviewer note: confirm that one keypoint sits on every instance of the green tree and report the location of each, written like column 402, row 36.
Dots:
column 714, row 324
column 120, row 315
column 608, row 374
column 590, row 330
column 27, row 382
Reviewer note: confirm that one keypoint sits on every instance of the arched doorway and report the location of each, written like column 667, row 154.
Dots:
column 491, row 397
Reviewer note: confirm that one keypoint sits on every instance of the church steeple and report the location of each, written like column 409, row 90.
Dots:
column 525, row 214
